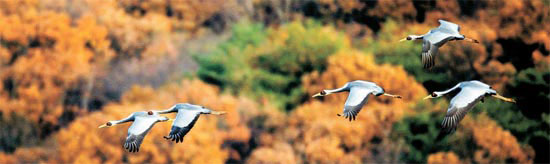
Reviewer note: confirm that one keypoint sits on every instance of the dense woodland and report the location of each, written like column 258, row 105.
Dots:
column 68, row 66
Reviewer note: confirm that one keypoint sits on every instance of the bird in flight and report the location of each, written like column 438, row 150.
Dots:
column 359, row 92
column 470, row 92
column 187, row 115
column 142, row 123
column 436, row 38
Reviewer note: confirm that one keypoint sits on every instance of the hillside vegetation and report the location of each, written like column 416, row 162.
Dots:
column 67, row 67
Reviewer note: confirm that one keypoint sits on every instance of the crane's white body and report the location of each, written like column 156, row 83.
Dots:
column 187, row 116
column 359, row 92
column 142, row 122
column 436, row 38
column 471, row 92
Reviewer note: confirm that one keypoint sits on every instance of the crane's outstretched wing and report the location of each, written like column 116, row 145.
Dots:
column 465, row 100
column 137, row 131
column 185, row 120
column 357, row 97
column 449, row 26
column 429, row 51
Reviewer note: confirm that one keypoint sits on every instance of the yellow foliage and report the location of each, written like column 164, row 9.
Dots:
column 324, row 150
column 497, row 146
column 350, row 5
column 83, row 142
column 49, row 50
column 347, row 6
column 280, row 152
column 49, row 54
column 541, row 36
column 443, row 157
column 49, row 47
column 541, row 62
column 27, row 155
column 397, row 9
column 187, row 14
column 4, row 158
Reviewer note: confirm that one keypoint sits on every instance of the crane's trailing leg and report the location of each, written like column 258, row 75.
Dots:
column 218, row 112
column 471, row 40
column 504, row 98
column 390, row 95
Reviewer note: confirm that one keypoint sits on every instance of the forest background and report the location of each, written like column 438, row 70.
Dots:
column 68, row 66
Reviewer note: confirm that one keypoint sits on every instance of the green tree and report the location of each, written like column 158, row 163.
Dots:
column 270, row 62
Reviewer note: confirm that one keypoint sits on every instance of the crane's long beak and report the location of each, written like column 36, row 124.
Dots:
column 218, row 112
column 317, row 95
column 504, row 98
column 171, row 119
column 404, row 39
column 102, row 126
column 427, row 97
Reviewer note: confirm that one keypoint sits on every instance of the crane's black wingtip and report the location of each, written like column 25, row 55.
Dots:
column 444, row 132
column 131, row 147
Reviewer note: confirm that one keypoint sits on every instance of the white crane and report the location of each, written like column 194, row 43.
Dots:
column 435, row 38
column 187, row 115
column 359, row 92
column 142, row 123
column 470, row 93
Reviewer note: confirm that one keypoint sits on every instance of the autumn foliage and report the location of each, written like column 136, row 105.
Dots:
column 203, row 144
column 40, row 62
column 321, row 136
column 67, row 67
column 443, row 157
column 498, row 146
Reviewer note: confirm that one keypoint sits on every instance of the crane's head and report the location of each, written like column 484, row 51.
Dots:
column 108, row 124
column 322, row 93
column 433, row 95
column 411, row 37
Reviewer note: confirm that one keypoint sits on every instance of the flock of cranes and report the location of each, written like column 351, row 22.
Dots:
column 469, row 94
column 187, row 115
